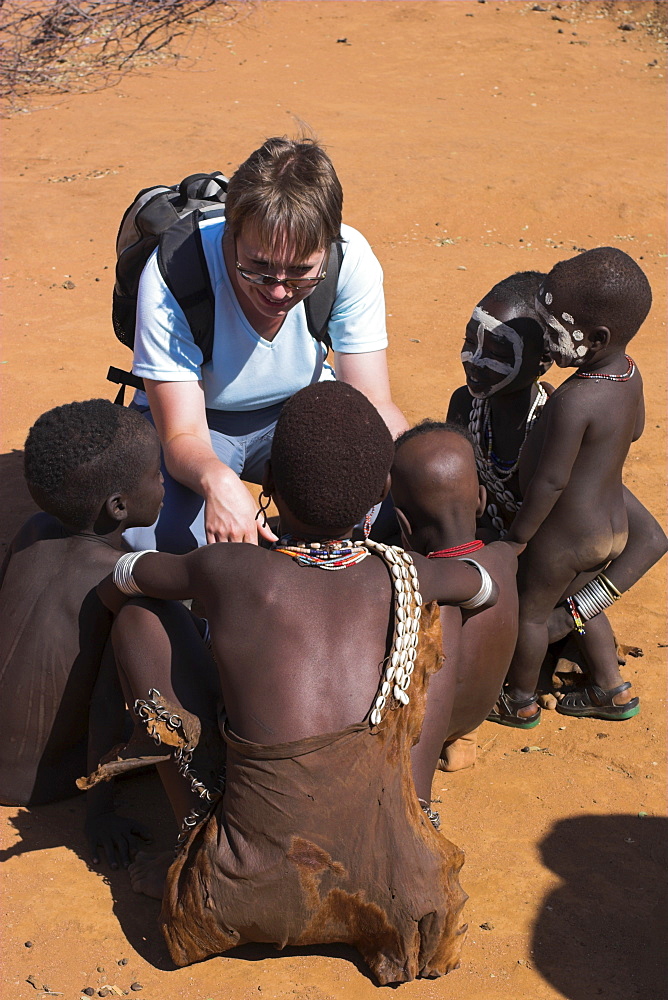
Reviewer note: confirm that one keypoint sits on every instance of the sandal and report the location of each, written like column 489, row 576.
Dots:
column 506, row 709
column 592, row 702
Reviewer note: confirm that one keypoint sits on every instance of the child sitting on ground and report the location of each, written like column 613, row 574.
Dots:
column 573, row 515
column 94, row 469
column 318, row 837
column 437, row 498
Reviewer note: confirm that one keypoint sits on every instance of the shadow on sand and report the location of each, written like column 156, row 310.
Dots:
column 603, row 932
column 61, row 824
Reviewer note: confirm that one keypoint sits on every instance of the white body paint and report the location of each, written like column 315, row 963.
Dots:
column 488, row 323
column 565, row 347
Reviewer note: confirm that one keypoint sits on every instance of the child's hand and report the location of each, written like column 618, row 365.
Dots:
column 118, row 836
column 110, row 595
column 517, row 547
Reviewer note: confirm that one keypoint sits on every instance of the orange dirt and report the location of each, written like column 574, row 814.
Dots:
column 472, row 139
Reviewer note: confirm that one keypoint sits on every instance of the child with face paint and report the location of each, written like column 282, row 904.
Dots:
column 573, row 516
column 503, row 356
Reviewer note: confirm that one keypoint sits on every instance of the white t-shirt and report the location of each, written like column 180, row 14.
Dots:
column 247, row 372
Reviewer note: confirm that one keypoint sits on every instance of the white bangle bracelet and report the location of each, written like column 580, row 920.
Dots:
column 486, row 587
column 123, row 577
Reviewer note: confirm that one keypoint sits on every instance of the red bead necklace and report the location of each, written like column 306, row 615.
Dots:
column 612, row 378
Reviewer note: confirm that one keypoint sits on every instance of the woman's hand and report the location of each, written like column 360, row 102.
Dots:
column 230, row 512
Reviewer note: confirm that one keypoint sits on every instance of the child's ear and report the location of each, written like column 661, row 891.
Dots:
column 599, row 337
column 386, row 488
column 116, row 507
column 405, row 525
column 482, row 501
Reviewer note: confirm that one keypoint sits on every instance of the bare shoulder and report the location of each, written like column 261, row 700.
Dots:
column 226, row 564
column 459, row 408
column 37, row 528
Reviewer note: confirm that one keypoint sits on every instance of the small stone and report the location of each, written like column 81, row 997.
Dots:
column 641, row 815
column 487, row 926
column 627, row 26
column 136, row 987
column 89, row 991
column 601, row 736
column 28, row 944
column 525, row 750
column 122, row 961
column 461, row 267
column 100, row 968
column 104, row 993
column 69, row 284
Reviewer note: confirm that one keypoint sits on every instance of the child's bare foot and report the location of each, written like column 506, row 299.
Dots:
column 148, row 873
column 460, row 753
column 592, row 702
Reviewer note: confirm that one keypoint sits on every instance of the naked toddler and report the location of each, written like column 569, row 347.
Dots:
column 573, row 515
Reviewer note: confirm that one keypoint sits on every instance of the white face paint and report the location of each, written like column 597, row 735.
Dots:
column 566, row 351
column 489, row 324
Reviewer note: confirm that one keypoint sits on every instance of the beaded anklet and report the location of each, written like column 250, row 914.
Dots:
column 457, row 550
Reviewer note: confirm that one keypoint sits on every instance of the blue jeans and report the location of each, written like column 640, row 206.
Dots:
column 242, row 440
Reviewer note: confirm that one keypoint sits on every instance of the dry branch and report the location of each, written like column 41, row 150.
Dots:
column 57, row 46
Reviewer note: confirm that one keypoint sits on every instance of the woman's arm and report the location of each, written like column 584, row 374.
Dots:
column 368, row 373
column 180, row 418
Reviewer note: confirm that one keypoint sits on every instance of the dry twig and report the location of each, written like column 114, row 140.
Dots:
column 61, row 46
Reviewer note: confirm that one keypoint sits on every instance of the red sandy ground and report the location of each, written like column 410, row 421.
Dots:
column 472, row 140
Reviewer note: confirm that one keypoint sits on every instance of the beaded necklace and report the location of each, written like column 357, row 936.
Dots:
column 493, row 473
column 457, row 551
column 629, row 373
column 331, row 554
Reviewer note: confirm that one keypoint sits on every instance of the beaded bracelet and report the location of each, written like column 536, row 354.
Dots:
column 123, row 577
column 486, row 587
column 575, row 614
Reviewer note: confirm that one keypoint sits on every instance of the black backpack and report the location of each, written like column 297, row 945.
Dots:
column 168, row 217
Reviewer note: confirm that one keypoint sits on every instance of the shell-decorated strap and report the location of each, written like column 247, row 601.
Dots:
column 400, row 661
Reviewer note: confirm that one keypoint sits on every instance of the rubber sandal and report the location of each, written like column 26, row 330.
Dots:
column 506, row 709
column 592, row 702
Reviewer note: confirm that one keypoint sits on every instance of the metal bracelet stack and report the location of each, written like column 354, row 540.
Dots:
column 122, row 575
column 486, row 587
column 595, row 596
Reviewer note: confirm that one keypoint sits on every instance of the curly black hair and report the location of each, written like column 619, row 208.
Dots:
column 331, row 455
column 78, row 454
column 604, row 287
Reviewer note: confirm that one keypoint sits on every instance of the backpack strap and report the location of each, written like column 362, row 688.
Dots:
column 319, row 304
column 183, row 266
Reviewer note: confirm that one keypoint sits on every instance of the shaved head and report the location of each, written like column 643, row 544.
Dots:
column 434, row 478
